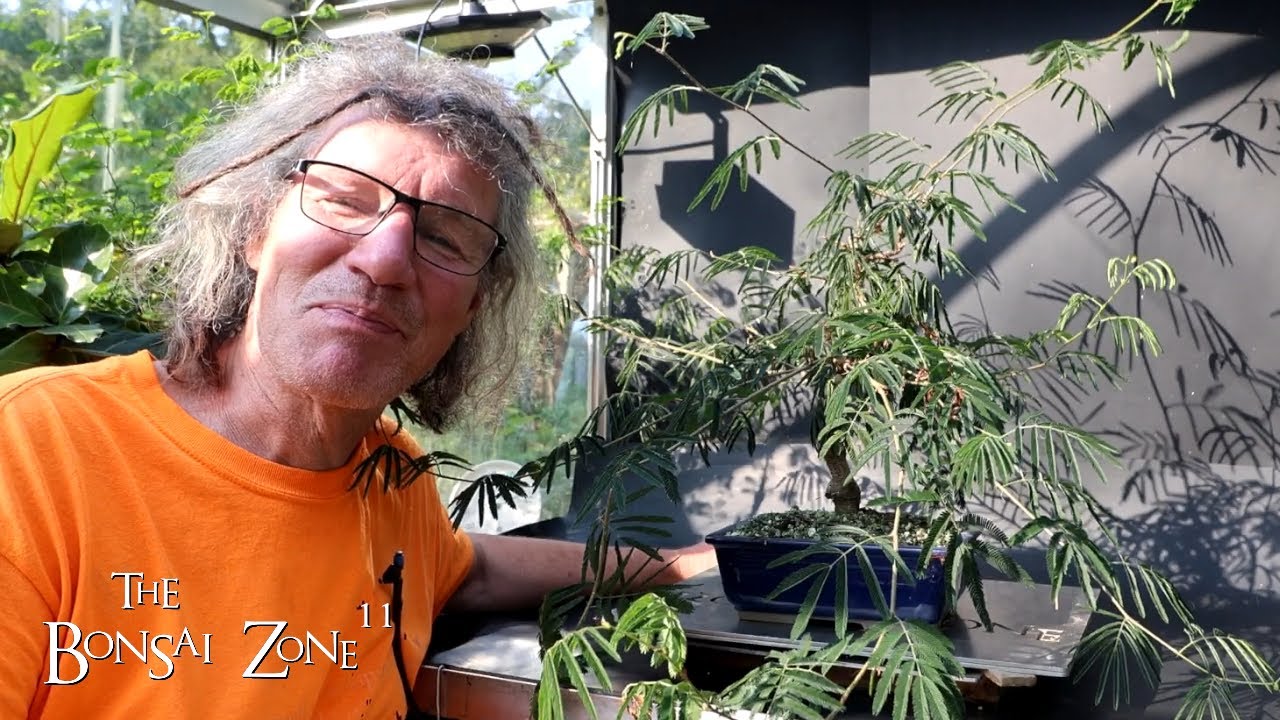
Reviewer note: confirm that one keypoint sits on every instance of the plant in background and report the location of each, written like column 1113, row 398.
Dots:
column 860, row 326
column 550, row 396
column 81, row 189
column 48, row 275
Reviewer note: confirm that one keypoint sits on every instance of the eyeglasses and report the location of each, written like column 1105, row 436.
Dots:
column 349, row 201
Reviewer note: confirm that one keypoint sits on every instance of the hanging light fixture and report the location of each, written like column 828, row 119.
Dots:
column 475, row 33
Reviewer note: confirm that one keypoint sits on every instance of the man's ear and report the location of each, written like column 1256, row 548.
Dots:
column 476, row 301
column 253, row 253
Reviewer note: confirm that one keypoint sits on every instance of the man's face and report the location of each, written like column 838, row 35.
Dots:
column 353, row 321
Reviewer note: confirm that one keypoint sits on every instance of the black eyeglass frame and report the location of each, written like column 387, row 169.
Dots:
column 417, row 204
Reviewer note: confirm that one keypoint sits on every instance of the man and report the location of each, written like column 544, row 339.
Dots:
column 180, row 537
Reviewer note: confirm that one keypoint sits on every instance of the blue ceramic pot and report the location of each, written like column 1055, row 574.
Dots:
column 748, row 580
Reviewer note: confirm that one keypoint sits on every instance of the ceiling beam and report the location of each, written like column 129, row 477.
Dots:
column 246, row 16
column 357, row 17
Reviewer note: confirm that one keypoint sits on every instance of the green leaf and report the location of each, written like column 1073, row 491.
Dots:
column 662, row 27
column 914, row 654
column 81, row 246
column 984, row 459
column 960, row 75
column 738, row 160
column 1114, row 649
column 654, row 625
column 962, row 105
column 1232, row 658
column 1057, row 449
column 36, row 143
column 205, row 75
column 1132, row 49
column 1178, row 10
column 10, row 236
column 563, row 659
column 663, row 699
column 650, row 111
column 125, row 341
column 1148, row 586
column 841, row 608
column 1070, row 90
column 790, row 684
column 28, row 351
column 277, row 27
column 762, row 81
column 78, row 332
column 1209, row 698
column 889, row 147
column 18, row 308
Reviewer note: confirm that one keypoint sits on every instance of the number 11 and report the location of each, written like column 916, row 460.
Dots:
column 386, row 614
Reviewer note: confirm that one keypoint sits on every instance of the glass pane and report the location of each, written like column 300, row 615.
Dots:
column 551, row 400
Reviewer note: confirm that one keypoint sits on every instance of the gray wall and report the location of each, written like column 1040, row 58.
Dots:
column 1191, row 179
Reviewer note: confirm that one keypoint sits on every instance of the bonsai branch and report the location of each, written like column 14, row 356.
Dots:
column 892, row 253
column 1125, row 616
column 883, row 393
column 672, row 348
column 662, row 51
column 746, row 327
column 959, row 153
column 857, row 680
column 1090, row 325
column 779, row 381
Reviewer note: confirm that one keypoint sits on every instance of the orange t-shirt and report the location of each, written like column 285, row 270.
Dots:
column 130, row 530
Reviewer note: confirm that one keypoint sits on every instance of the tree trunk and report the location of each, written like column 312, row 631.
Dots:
column 843, row 490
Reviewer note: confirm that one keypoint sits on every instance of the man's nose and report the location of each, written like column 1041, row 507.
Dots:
column 386, row 253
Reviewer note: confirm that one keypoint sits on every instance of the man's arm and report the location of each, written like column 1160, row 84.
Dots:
column 513, row 572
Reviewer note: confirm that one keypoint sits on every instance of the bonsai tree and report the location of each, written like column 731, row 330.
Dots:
column 946, row 416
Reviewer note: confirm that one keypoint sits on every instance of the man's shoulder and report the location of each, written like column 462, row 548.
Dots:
column 29, row 389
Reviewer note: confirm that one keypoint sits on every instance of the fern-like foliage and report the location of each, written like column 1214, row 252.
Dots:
column 651, row 625
column 741, row 161
column 1209, row 698
column 484, row 493
column 792, row 683
column 1117, row 650
column 571, row 658
column 917, row 670
column 660, row 30
column 768, row 80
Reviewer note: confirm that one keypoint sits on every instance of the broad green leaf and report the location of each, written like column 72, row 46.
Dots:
column 78, row 332
column 28, row 351
column 17, row 306
column 36, row 144
column 61, row 289
column 124, row 342
column 83, row 247
column 10, row 236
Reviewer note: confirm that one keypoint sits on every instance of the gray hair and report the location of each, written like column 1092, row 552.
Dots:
column 232, row 179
